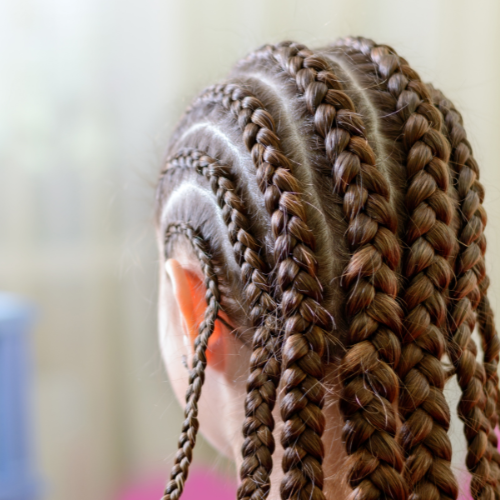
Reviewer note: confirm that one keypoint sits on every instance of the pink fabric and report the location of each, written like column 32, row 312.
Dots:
column 201, row 484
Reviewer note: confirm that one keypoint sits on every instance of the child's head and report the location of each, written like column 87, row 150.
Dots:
column 316, row 233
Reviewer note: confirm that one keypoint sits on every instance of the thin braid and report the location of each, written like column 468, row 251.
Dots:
column 428, row 272
column 468, row 293
column 187, row 439
column 491, row 344
column 370, row 385
column 265, row 366
column 472, row 238
column 306, row 322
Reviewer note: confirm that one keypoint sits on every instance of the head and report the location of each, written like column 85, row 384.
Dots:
column 321, row 244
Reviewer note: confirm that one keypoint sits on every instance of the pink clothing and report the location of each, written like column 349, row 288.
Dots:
column 201, row 483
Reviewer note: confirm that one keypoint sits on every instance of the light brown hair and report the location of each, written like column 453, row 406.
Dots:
column 345, row 192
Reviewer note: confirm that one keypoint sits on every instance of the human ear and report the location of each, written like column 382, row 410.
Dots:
column 189, row 293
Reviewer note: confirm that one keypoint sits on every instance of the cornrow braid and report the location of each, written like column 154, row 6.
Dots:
column 187, row 439
column 265, row 366
column 479, row 383
column 306, row 322
column 370, row 385
column 428, row 272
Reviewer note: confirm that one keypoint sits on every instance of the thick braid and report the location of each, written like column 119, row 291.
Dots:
column 428, row 271
column 187, row 439
column 370, row 385
column 470, row 274
column 265, row 368
column 306, row 322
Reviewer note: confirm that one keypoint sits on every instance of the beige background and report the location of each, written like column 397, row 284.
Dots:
column 89, row 90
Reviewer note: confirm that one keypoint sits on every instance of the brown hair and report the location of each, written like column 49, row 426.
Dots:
column 359, row 242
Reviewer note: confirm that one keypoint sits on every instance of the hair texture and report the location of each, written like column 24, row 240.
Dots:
column 340, row 233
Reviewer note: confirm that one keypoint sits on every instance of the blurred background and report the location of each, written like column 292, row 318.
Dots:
column 89, row 92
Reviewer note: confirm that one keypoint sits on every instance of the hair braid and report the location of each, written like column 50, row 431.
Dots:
column 306, row 322
column 375, row 316
column 265, row 366
column 491, row 346
column 187, row 439
column 470, row 274
column 427, row 268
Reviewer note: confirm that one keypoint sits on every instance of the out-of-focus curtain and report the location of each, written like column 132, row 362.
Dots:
column 89, row 91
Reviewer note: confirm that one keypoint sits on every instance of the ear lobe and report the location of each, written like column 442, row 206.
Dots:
column 189, row 291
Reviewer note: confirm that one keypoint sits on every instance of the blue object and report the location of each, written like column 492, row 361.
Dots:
column 17, row 479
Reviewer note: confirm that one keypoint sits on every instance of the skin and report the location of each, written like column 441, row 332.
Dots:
column 182, row 304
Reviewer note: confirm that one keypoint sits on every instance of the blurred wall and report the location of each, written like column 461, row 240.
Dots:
column 89, row 91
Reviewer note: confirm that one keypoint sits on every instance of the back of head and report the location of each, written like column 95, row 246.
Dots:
column 332, row 202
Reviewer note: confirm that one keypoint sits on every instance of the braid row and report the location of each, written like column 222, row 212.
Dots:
column 428, row 272
column 479, row 384
column 265, row 367
column 306, row 322
column 187, row 439
column 370, row 385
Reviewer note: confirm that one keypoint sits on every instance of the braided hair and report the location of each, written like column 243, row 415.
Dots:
column 347, row 199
